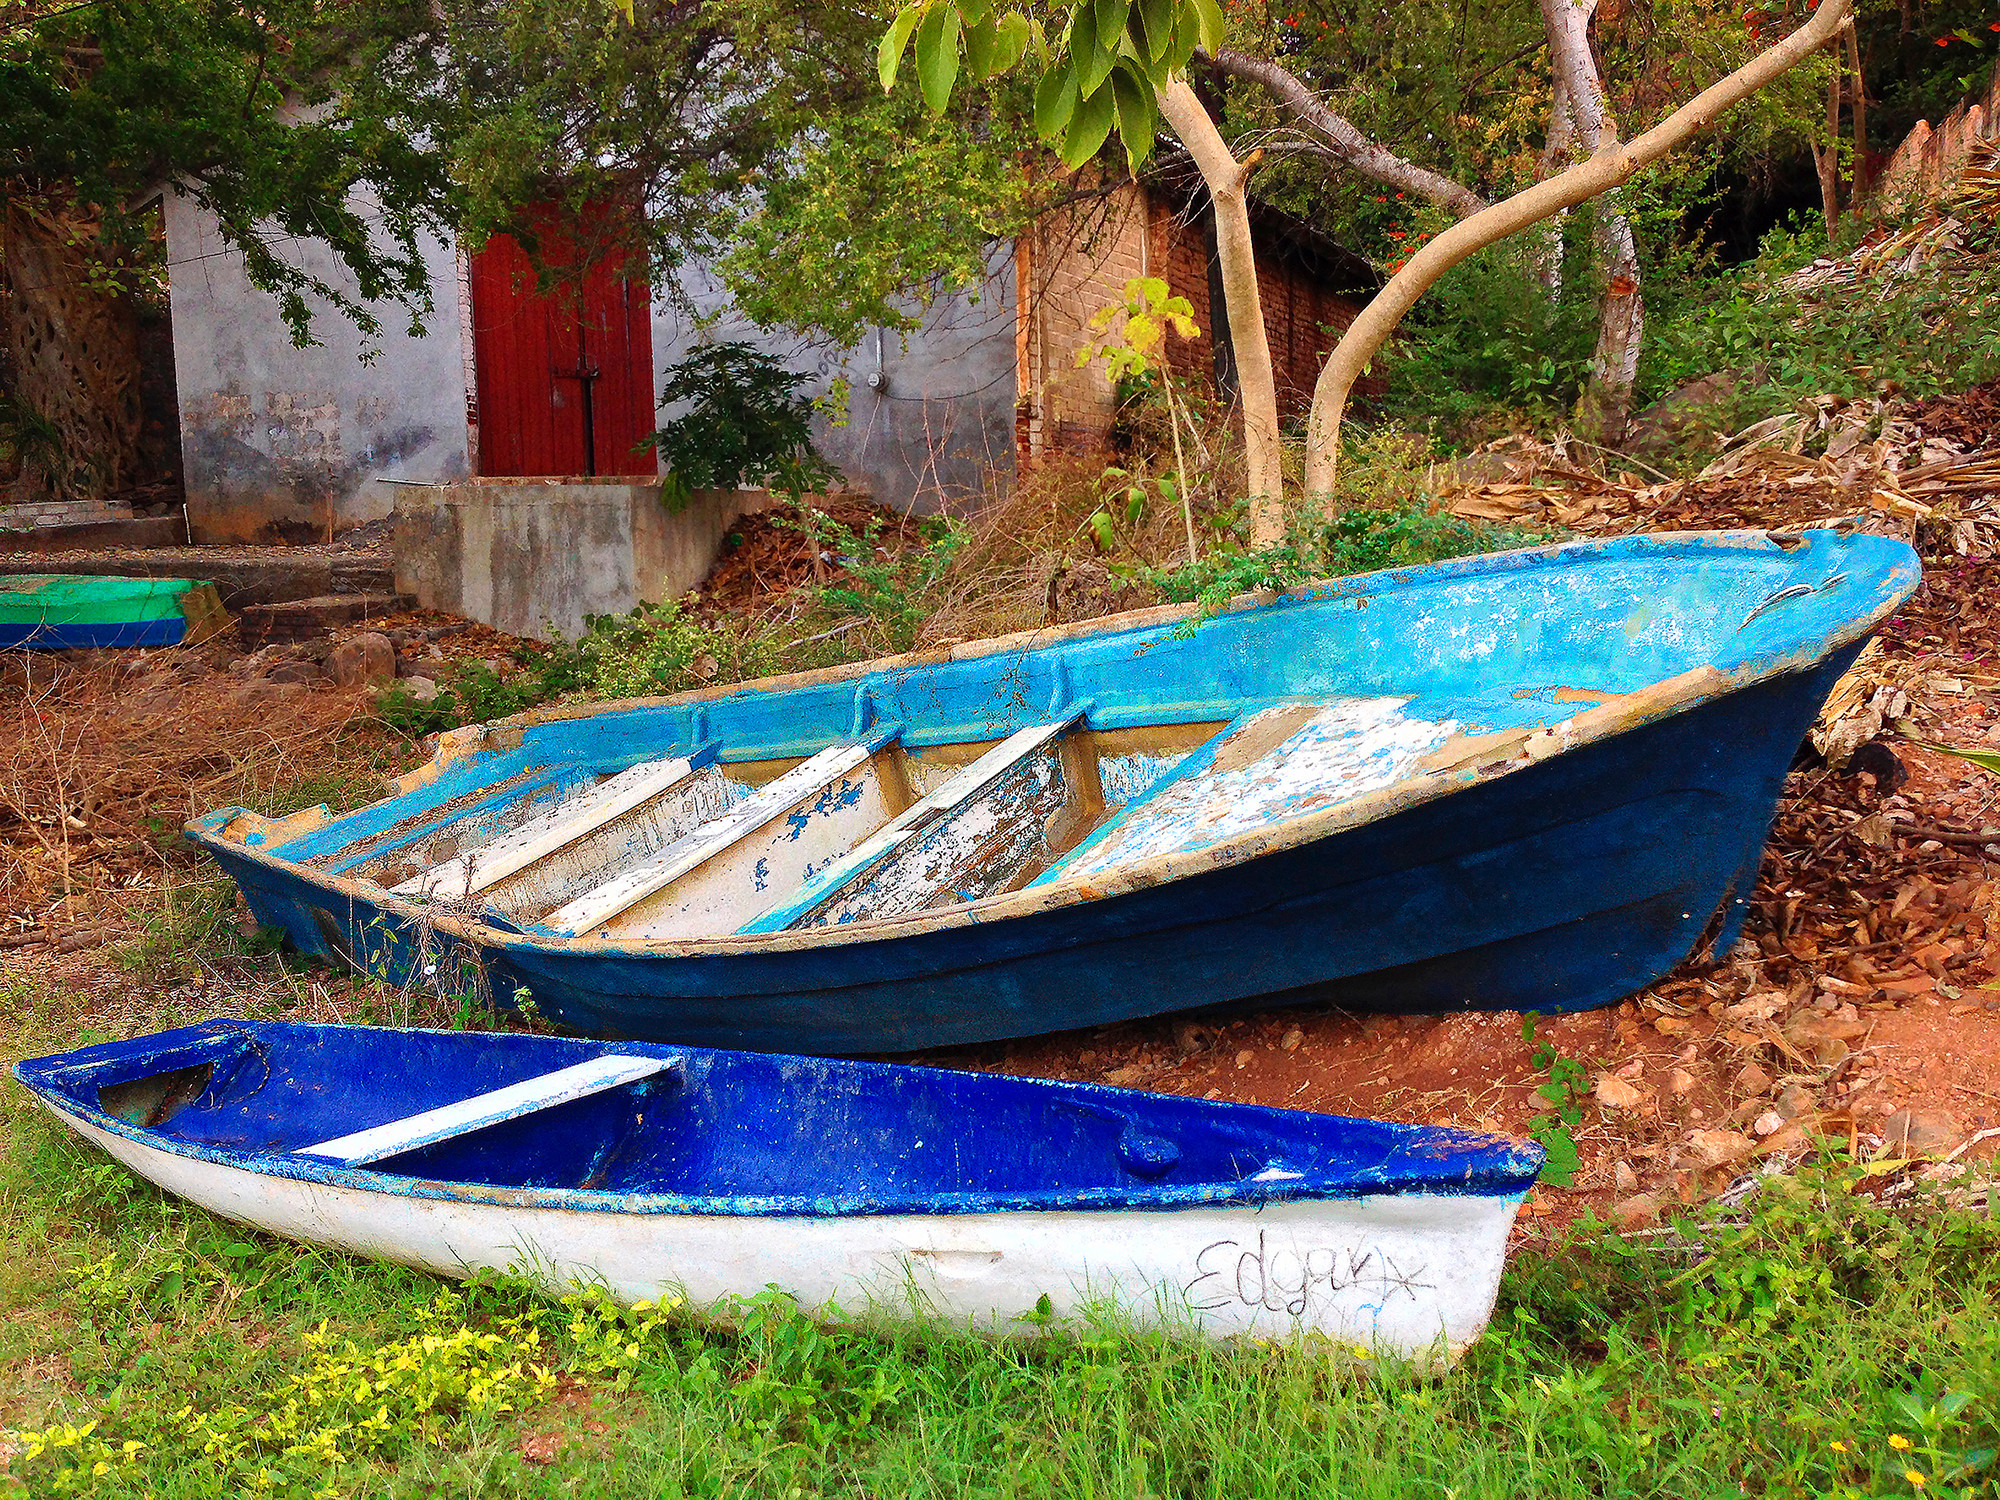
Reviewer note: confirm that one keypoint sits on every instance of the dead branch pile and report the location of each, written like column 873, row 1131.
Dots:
column 1886, row 463
column 102, row 757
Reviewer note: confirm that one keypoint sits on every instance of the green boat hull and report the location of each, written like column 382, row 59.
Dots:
column 62, row 611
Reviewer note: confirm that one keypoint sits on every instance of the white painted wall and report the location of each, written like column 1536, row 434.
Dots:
column 937, row 431
column 277, row 441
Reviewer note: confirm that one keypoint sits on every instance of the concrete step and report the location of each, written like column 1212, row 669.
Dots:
column 314, row 619
column 124, row 534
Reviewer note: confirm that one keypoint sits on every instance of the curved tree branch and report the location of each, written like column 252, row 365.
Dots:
column 1342, row 141
column 1611, row 166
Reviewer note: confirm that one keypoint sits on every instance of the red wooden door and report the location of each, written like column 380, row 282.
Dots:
column 565, row 380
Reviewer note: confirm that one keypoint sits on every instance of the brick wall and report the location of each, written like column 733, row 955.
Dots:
column 1073, row 263
column 1078, row 261
column 17, row 513
column 1930, row 158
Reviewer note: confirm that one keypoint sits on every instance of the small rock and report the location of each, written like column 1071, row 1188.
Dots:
column 366, row 658
column 294, row 671
column 1910, row 1132
column 422, row 689
column 259, row 693
column 1290, row 1040
column 1758, row 1007
column 1719, row 1148
column 1672, row 1025
column 1789, row 1137
column 1243, row 1058
column 1751, row 1080
column 1680, row 1081
column 1638, row 1210
column 1631, row 1069
column 1623, row 1178
column 1768, row 1123
column 1614, row 1092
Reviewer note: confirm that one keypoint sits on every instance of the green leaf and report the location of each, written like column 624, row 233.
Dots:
column 1985, row 759
column 1091, row 52
column 1135, row 507
column 1055, row 101
column 1012, row 33
column 1101, row 529
column 1110, row 17
column 1208, row 15
column 1087, row 128
column 889, row 55
column 1159, row 19
column 981, row 38
column 937, row 54
column 1138, row 118
column 1562, row 1162
column 972, row 12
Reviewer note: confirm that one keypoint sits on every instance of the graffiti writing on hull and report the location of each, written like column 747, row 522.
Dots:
column 1288, row 1281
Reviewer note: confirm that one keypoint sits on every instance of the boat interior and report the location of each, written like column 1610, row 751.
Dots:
column 866, row 794
column 629, row 1119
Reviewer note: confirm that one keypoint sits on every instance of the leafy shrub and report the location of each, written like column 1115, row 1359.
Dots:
column 892, row 587
column 1360, row 539
column 666, row 648
column 475, row 694
column 1928, row 331
column 749, row 423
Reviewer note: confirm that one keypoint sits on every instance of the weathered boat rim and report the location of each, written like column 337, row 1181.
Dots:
column 1631, row 711
column 1509, row 1167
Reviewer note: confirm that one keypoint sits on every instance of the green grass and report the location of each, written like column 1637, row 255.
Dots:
column 1731, row 1359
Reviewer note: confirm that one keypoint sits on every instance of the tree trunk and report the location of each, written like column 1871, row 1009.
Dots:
column 1606, row 403
column 1227, row 180
column 1607, row 394
column 1545, row 257
column 75, row 348
column 1610, row 166
column 1827, row 158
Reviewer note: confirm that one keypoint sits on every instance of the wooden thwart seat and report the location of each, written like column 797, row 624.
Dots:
column 574, row 818
column 888, row 871
column 708, row 881
column 448, row 1121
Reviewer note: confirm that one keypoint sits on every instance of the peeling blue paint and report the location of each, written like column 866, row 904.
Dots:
column 1555, row 881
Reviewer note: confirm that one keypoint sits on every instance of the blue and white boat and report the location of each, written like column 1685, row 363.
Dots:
column 1532, row 781
column 864, row 1189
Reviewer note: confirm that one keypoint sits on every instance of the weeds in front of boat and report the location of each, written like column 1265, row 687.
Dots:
column 1815, row 1341
column 1565, row 1089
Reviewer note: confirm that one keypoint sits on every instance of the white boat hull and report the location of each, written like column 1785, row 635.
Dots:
column 1411, row 1275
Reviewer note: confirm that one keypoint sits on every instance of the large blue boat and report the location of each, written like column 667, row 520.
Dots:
column 1534, row 780
column 863, row 1189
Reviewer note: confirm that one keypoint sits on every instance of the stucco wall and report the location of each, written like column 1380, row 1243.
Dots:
column 277, row 442
column 938, row 430
column 533, row 557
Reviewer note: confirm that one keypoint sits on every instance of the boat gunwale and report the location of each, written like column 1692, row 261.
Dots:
column 1628, row 712
column 1513, row 1164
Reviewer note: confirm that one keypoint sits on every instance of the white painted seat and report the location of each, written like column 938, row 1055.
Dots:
column 448, row 1121
column 733, row 865
column 887, row 872
column 574, row 818
column 1267, row 766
